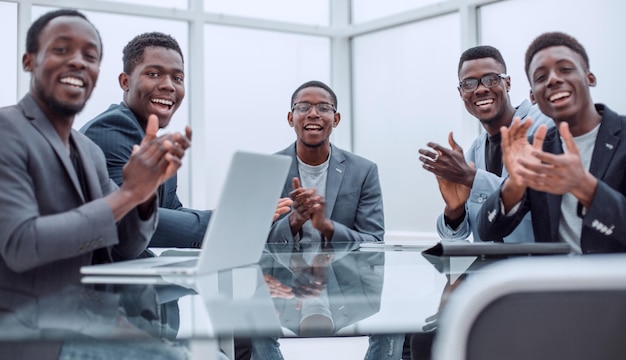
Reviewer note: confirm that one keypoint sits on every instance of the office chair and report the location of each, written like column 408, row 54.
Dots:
column 552, row 307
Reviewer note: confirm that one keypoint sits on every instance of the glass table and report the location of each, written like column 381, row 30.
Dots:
column 308, row 290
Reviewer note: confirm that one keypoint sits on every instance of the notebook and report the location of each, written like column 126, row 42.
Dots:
column 238, row 229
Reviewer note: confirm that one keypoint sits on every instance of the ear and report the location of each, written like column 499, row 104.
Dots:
column 591, row 79
column 336, row 119
column 123, row 81
column 508, row 83
column 532, row 97
column 460, row 91
column 290, row 118
column 28, row 62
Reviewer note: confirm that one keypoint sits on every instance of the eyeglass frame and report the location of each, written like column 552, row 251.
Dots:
column 334, row 109
column 501, row 76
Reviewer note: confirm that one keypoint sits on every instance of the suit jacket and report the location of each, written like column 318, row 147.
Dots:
column 48, row 230
column 353, row 199
column 116, row 131
column 603, row 228
column 486, row 183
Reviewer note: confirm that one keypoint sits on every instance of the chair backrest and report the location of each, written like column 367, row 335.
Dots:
column 550, row 307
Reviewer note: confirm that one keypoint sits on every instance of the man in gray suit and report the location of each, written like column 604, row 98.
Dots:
column 60, row 209
column 336, row 198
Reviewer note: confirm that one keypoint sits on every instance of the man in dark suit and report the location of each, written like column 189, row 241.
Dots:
column 571, row 178
column 153, row 83
column 60, row 210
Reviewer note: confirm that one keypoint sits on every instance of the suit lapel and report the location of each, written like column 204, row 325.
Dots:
column 606, row 143
column 42, row 124
column 91, row 175
column 336, row 170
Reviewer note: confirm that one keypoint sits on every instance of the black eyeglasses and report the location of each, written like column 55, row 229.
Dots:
column 489, row 80
column 305, row 107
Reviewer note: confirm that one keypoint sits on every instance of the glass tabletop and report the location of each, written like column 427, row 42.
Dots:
column 303, row 290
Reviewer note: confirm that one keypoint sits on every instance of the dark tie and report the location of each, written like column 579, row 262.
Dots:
column 493, row 154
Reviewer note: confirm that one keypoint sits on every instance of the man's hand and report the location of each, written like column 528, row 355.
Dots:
column 455, row 177
column 515, row 150
column 559, row 174
column 283, row 207
column 149, row 165
column 277, row 288
column 307, row 205
column 448, row 164
column 154, row 161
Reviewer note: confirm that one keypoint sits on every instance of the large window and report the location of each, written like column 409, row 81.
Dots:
column 9, row 60
column 405, row 96
column 311, row 12
column 250, row 76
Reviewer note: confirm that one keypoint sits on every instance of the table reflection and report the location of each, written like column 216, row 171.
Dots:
column 320, row 288
column 76, row 320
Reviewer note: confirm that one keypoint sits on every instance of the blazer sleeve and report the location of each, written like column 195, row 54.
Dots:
column 116, row 134
column 493, row 224
column 605, row 218
column 182, row 228
column 39, row 227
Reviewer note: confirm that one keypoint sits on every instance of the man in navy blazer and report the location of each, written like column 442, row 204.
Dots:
column 571, row 178
column 153, row 83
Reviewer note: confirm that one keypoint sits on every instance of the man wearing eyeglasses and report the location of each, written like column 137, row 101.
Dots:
column 465, row 181
column 337, row 198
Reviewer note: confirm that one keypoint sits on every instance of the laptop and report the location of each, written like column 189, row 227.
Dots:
column 238, row 229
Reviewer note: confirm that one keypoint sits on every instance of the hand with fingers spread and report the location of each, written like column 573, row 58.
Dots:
column 516, row 149
column 454, row 175
column 559, row 174
column 448, row 164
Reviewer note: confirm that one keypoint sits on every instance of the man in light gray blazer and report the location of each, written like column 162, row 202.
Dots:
column 466, row 180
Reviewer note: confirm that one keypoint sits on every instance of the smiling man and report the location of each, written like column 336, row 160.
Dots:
column 336, row 198
column 570, row 178
column 153, row 83
column 465, row 181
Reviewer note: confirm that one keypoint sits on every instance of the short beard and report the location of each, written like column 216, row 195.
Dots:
column 489, row 121
column 58, row 107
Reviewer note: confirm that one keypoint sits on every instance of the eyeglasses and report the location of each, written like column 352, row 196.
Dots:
column 489, row 80
column 322, row 108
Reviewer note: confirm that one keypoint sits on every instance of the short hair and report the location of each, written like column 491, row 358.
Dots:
column 134, row 50
column 32, row 36
column 314, row 83
column 481, row 52
column 550, row 39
